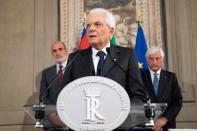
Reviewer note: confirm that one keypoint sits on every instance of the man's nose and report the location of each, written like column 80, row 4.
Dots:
column 154, row 61
column 58, row 52
column 91, row 27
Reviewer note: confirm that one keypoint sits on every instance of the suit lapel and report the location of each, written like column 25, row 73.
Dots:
column 162, row 82
column 150, row 87
column 52, row 74
column 54, row 71
column 115, row 54
column 87, row 61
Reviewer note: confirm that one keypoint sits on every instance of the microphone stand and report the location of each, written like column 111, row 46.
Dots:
column 149, row 113
column 149, row 108
column 39, row 109
column 39, row 114
column 54, row 80
column 131, row 77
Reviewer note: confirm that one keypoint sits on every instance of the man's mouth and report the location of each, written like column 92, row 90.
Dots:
column 59, row 57
column 92, row 36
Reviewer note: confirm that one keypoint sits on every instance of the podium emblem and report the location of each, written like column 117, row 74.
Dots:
column 93, row 103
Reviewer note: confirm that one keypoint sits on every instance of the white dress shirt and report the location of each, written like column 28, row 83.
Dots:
column 152, row 74
column 96, row 58
column 63, row 64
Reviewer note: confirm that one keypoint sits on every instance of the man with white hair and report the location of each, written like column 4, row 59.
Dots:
column 100, row 29
column 96, row 59
column 162, row 87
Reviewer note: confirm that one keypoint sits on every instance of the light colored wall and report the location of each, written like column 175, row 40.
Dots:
column 182, row 44
column 27, row 29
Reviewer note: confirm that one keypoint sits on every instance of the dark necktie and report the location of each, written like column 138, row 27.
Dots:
column 60, row 73
column 155, row 83
column 101, row 55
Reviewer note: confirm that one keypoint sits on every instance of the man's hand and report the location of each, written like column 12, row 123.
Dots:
column 159, row 124
column 56, row 120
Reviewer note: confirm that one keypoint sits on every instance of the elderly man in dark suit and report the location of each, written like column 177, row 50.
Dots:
column 96, row 61
column 162, row 87
column 51, row 81
column 121, row 67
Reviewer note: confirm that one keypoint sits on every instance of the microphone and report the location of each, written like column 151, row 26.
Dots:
column 131, row 77
column 54, row 80
column 108, row 51
column 149, row 110
column 40, row 108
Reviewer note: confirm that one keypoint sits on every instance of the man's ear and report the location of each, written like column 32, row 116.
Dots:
column 112, row 30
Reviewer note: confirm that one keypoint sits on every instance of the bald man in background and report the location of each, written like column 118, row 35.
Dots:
column 48, row 95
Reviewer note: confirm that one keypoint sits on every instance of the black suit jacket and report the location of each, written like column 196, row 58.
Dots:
column 125, row 57
column 169, row 92
column 49, row 95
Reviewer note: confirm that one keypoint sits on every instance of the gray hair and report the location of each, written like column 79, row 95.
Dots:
column 110, row 19
column 153, row 50
column 60, row 42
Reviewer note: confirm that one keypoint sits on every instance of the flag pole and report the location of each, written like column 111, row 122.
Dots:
column 84, row 18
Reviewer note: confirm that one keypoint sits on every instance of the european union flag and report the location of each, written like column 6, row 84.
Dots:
column 141, row 48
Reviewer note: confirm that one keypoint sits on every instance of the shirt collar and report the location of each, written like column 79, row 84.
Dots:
column 94, row 51
column 63, row 64
column 152, row 72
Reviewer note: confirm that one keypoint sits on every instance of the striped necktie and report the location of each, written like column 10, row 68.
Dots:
column 60, row 73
